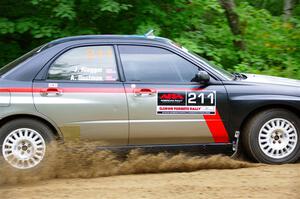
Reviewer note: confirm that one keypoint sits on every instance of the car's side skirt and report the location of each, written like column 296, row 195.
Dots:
column 194, row 149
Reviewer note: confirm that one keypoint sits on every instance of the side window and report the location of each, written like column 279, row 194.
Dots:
column 92, row 63
column 152, row 64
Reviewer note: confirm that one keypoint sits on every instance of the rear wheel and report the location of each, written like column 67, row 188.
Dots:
column 24, row 143
column 272, row 137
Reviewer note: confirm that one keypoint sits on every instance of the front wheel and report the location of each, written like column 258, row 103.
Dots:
column 272, row 137
column 24, row 143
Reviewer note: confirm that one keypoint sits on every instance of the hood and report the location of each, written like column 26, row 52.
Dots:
column 271, row 80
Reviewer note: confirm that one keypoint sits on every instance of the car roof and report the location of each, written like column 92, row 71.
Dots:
column 110, row 37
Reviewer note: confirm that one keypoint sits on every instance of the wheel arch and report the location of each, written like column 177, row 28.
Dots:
column 252, row 113
column 9, row 118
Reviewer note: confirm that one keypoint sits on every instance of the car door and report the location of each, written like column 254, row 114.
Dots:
column 166, row 105
column 82, row 94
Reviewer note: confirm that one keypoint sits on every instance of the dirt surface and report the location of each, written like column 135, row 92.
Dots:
column 259, row 182
column 83, row 175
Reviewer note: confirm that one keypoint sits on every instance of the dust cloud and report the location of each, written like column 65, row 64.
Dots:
column 81, row 160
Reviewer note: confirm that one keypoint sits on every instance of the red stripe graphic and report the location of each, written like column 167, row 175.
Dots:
column 90, row 90
column 22, row 90
column 217, row 128
column 66, row 90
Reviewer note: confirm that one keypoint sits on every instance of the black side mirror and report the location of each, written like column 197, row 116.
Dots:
column 202, row 77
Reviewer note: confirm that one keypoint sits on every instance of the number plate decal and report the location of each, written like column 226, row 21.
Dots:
column 186, row 102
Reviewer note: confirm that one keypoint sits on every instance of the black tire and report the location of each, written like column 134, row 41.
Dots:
column 36, row 125
column 251, row 131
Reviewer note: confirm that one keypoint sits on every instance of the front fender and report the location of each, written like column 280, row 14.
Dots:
column 244, row 106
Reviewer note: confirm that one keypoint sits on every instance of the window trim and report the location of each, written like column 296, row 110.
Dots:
column 213, row 77
column 63, row 51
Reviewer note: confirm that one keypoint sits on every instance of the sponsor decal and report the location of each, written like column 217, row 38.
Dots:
column 172, row 99
column 52, row 85
column 186, row 102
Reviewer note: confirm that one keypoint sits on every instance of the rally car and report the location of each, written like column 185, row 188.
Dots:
column 141, row 92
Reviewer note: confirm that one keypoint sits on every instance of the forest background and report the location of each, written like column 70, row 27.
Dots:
column 253, row 36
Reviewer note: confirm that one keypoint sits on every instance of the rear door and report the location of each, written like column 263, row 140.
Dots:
column 82, row 94
column 166, row 105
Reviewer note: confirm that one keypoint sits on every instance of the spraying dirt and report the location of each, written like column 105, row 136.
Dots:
column 81, row 160
column 78, row 171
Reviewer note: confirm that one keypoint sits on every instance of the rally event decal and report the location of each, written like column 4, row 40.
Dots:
column 186, row 102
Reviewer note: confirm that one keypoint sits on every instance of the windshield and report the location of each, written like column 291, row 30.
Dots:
column 16, row 62
column 217, row 69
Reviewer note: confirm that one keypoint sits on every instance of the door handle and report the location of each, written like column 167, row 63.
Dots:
column 144, row 91
column 51, row 92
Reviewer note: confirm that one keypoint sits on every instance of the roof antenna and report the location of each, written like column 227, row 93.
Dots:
column 150, row 34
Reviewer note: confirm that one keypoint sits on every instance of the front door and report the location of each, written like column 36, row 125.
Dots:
column 82, row 94
column 166, row 105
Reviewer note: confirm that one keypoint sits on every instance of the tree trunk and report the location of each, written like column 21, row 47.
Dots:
column 233, row 21
column 287, row 9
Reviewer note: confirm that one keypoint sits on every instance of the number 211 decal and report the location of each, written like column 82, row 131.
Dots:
column 186, row 102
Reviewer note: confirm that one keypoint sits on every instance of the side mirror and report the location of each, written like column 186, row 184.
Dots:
column 202, row 77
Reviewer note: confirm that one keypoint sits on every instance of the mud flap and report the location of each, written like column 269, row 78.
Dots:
column 235, row 144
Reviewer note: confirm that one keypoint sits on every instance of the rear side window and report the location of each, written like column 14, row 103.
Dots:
column 153, row 64
column 18, row 61
column 92, row 63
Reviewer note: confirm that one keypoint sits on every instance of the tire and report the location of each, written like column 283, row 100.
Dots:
column 26, row 140
column 273, row 137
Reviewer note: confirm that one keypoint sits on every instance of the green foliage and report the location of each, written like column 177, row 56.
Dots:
column 113, row 6
column 272, row 45
column 6, row 26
